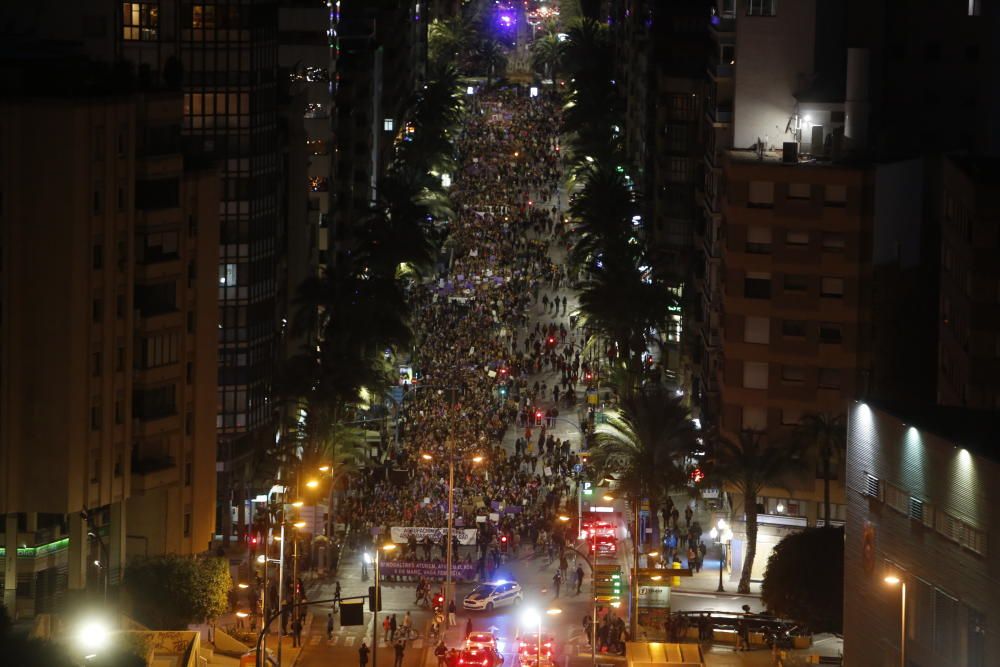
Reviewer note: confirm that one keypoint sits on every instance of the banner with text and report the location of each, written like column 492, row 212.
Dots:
column 409, row 568
column 401, row 534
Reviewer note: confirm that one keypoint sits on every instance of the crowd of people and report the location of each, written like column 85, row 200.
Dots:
column 476, row 352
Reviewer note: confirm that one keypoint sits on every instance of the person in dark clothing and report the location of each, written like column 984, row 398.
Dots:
column 579, row 578
column 329, row 625
column 392, row 627
column 398, row 648
column 297, row 632
column 363, row 654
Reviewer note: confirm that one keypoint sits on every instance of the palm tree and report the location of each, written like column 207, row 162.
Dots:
column 622, row 303
column 492, row 59
column 547, row 54
column 748, row 466
column 604, row 210
column 643, row 446
column 827, row 434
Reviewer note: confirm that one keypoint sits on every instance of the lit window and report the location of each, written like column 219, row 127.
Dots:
column 227, row 275
column 140, row 21
column 388, row 124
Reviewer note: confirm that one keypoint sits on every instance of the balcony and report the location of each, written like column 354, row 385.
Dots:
column 718, row 70
column 719, row 113
column 724, row 23
column 152, row 463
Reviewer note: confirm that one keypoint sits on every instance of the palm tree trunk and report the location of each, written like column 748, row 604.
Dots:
column 654, row 522
column 750, row 508
column 826, row 490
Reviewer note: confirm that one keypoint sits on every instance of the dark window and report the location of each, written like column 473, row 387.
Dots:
column 155, row 299
column 97, row 311
column 97, row 364
column 757, row 288
column 796, row 283
column 161, row 193
column 830, row 333
column 793, row 329
column 160, row 246
column 793, row 374
column 95, row 418
column 829, row 378
column 154, row 403
column 761, row 7
column 97, row 256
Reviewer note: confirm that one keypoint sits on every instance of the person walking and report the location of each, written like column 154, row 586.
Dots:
column 399, row 648
column 329, row 625
column 441, row 653
column 385, row 628
column 557, row 582
column 579, row 578
column 452, row 622
column 393, row 625
column 297, row 632
column 407, row 625
column 363, row 654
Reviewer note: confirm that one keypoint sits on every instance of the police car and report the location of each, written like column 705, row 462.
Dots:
column 493, row 594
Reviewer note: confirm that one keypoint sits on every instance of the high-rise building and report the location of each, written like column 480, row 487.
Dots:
column 109, row 296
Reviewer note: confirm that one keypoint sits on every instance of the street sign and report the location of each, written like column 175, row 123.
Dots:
column 587, row 488
column 608, row 583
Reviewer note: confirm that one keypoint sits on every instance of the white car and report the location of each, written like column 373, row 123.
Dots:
column 481, row 640
column 494, row 594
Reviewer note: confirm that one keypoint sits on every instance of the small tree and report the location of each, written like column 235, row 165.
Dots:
column 804, row 579
column 170, row 592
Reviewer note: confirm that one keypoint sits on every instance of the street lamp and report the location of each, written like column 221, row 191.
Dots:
column 896, row 580
column 93, row 635
column 451, row 517
column 387, row 547
column 532, row 617
column 723, row 534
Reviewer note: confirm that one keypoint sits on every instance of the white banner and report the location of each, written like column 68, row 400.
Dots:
column 654, row 597
column 401, row 534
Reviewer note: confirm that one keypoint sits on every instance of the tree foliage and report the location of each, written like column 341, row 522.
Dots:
column 749, row 465
column 804, row 579
column 643, row 444
column 170, row 592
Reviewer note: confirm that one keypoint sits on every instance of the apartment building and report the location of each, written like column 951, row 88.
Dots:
column 922, row 511
column 109, row 296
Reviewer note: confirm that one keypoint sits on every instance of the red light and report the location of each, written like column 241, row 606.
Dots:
column 253, row 540
column 503, row 538
column 538, row 414
column 697, row 475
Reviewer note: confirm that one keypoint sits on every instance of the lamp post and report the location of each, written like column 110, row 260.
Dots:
column 723, row 534
column 897, row 580
column 378, row 598
column 451, row 518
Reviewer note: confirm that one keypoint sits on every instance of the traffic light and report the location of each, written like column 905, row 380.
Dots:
column 538, row 417
column 608, row 583
column 697, row 475
column 551, row 341
column 503, row 544
column 588, row 376
column 371, row 599
column 503, row 391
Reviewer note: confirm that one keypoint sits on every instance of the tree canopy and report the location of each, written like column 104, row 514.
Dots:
column 804, row 579
column 170, row 592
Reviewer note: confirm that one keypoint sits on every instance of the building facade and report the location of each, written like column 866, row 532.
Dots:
column 108, row 338
column 922, row 507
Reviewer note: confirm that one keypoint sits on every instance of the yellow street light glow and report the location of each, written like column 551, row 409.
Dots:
column 324, row 468
column 427, row 457
column 298, row 503
column 312, row 484
column 656, row 577
column 609, row 498
column 616, row 604
column 388, row 547
column 563, row 517
column 554, row 611
column 244, row 584
column 241, row 614
column 477, row 459
column 262, row 558
column 93, row 635
column 892, row 580
column 653, row 554
column 299, row 524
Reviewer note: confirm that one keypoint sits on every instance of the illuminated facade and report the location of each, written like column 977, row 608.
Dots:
column 923, row 507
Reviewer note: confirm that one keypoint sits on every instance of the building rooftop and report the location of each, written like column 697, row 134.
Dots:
column 776, row 158
column 975, row 430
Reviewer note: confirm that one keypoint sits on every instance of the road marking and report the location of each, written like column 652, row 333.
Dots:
column 349, row 640
column 314, row 639
column 333, row 642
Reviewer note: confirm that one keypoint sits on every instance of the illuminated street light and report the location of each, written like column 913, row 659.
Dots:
column 241, row 614
column 324, row 468
column 262, row 559
column 608, row 498
column 312, row 484
column 427, row 457
column 298, row 503
column 299, row 524
column 243, row 584
column 93, row 635
column 563, row 518
column 896, row 580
